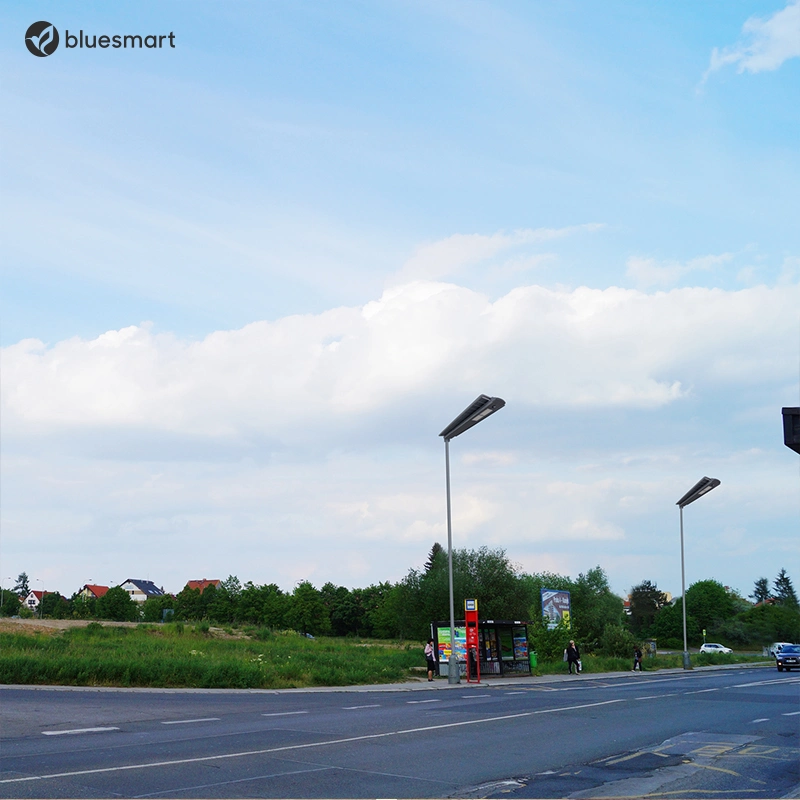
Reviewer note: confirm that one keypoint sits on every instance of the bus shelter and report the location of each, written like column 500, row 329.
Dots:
column 502, row 647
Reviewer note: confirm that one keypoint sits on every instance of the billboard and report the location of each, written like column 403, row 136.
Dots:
column 443, row 638
column 556, row 607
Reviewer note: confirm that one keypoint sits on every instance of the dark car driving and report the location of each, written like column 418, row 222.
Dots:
column 788, row 657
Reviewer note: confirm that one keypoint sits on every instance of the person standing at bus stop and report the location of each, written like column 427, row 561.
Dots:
column 430, row 657
column 573, row 657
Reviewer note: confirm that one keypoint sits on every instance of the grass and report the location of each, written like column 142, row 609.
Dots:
column 596, row 664
column 178, row 656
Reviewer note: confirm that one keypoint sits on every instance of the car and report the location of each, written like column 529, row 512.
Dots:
column 776, row 647
column 714, row 648
column 788, row 658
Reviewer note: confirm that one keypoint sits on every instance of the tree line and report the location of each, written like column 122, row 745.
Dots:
column 406, row 609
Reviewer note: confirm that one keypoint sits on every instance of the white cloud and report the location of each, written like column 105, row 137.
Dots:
column 647, row 272
column 299, row 375
column 447, row 257
column 767, row 42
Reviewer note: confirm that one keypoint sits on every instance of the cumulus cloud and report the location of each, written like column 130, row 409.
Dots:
column 299, row 375
column 766, row 43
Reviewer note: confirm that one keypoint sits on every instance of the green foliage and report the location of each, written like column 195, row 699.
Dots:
column 646, row 602
column 549, row 645
column 307, row 612
column 116, row 604
column 114, row 656
column 709, row 603
column 784, row 590
column 11, row 604
column 22, row 587
column 55, row 606
column 617, row 642
column 761, row 591
column 153, row 608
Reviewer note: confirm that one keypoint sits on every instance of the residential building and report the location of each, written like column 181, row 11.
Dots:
column 92, row 591
column 140, row 590
column 202, row 585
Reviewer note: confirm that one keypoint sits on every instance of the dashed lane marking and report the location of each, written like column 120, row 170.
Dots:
column 189, row 721
column 284, row 713
column 289, row 747
column 78, row 730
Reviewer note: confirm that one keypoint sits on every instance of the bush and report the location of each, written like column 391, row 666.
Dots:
column 617, row 642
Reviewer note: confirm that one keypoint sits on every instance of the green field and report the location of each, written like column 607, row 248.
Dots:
column 179, row 656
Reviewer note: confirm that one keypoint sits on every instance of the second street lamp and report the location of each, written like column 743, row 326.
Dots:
column 482, row 407
column 703, row 486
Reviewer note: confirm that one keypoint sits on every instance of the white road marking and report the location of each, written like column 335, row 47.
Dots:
column 189, row 721
column 78, row 730
column 790, row 713
column 765, row 683
column 762, row 719
column 474, row 696
column 352, row 708
column 701, row 691
column 411, row 702
column 284, row 713
column 289, row 747
column 515, row 693
column 655, row 696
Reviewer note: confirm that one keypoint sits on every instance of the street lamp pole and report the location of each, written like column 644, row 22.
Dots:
column 703, row 486
column 482, row 407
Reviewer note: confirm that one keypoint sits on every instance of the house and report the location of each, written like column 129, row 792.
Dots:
column 202, row 585
column 92, row 591
column 141, row 590
column 33, row 599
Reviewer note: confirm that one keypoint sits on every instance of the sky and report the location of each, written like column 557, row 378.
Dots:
column 248, row 279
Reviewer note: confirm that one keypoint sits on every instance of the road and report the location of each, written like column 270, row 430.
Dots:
column 723, row 732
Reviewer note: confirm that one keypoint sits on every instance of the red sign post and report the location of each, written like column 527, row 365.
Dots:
column 473, row 660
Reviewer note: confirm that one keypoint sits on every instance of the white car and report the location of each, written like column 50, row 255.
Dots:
column 776, row 647
column 714, row 648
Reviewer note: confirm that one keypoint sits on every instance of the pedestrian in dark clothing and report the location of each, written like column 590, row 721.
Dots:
column 573, row 657
column 637, row 659
column 430, row 657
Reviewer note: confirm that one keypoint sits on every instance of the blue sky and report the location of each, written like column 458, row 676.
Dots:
column 248, row 280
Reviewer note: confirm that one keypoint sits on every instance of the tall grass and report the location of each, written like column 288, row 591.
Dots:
column 596, row 664
column 174, row 656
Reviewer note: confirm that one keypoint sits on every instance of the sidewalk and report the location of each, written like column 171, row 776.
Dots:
column 519, row 681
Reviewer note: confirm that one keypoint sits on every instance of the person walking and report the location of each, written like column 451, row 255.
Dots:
column 637, row 659
column 573, row 657
column 430, row 657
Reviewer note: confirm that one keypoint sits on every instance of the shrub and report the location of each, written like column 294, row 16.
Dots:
column 617, row 642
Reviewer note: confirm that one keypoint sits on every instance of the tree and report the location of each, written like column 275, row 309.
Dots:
column 11, row 604
column 761, row 591
column 21, row 587
column 594, row 608
column 54, row 606
column 153, row 608
column 307, row 612
column 784, row 591
column 436, row 552
column 709, row 602
column 646, row 602
column 116, row 604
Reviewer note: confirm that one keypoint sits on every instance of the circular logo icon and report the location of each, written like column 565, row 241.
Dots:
column 41, row 39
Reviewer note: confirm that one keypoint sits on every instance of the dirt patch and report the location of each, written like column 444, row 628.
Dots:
column 55, row 626
column 13, row 625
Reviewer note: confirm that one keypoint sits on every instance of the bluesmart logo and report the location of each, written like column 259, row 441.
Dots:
column 42, row 40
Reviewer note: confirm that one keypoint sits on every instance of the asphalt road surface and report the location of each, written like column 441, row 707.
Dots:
column 704, row 733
